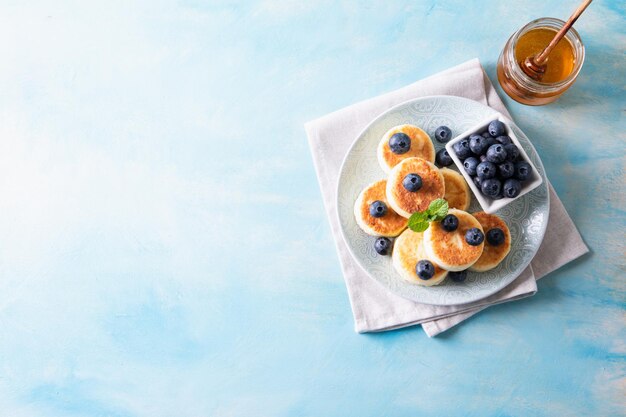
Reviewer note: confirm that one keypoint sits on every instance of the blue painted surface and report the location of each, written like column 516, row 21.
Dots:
column 164, row 248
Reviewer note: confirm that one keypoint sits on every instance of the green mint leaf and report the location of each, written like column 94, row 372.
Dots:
column 417, row 219
column 419, row 227
column 438, row 209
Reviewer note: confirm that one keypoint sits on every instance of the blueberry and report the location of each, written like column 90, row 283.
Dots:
column 504, row 140
column 485, row 134
column 495, row 236
column 475, row 143
column 482, row 158
column 412, row 182
column 496, row 128
column 477, row 181
column 470, row 165
column 382, row 245
column 425, row 269
column 462, row 149
column 400, row 143
column 491, row 187
column 522, row 170
column 443, row 158
column 378, row 209
column 479, row 144
column 499, row 196
column 506, row 169
column 474, row 236
column 486, row 170
column 496, row 153
column 457, row 276
column 443, row 134
column 512, row 153
column 450, row 223
column 511, row 188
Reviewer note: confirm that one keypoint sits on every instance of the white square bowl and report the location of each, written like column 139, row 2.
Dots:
column 489, row 205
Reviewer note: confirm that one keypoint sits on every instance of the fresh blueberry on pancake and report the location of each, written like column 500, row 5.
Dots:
column 368, row 215
column 378, row 209
column 425, row 269
column 412, row 182
column 405, row 202
column 474, row 236
column 401, row 142
column 450, row 223
column 495, row 236
column 408, row 250
column 497, row 243
column 451, row 250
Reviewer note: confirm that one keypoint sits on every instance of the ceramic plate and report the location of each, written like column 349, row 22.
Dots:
column 527, row 217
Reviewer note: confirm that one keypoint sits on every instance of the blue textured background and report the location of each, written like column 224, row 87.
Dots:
column 164, row 250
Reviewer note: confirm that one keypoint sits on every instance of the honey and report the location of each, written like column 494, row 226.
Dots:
column 561, row 59
column 563, row 64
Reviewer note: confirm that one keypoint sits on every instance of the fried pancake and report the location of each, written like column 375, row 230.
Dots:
column 492, row 255
column 405, row 202
column 408, row 250
column 457, row 192
column 421, row 147
column 391, row 224
column 449, row 249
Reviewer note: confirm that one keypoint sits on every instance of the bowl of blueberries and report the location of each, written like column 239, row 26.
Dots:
column 493, row 163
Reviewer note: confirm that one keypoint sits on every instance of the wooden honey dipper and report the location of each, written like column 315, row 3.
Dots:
column 535, row 66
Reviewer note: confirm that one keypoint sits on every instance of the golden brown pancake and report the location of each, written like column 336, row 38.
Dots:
column 408, row 250
column 457, row 192
column 449, row 249
column 421, row 147
column 391, row 224
column 405, row 202
column 492, row 255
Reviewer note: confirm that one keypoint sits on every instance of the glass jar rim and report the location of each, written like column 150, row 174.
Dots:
column 576, row 42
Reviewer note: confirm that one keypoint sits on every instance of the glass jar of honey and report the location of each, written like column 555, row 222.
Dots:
column 563, row 65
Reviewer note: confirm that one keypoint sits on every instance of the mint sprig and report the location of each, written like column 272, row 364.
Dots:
column 437, row 210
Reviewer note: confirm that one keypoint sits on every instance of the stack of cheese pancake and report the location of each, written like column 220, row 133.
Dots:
column 462, row 241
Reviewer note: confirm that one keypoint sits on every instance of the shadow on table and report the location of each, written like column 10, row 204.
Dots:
column 548, row 292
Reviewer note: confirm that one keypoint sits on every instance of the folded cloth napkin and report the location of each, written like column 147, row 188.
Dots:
column 374, row 307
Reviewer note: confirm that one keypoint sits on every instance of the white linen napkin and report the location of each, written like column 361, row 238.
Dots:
column 373, row 306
